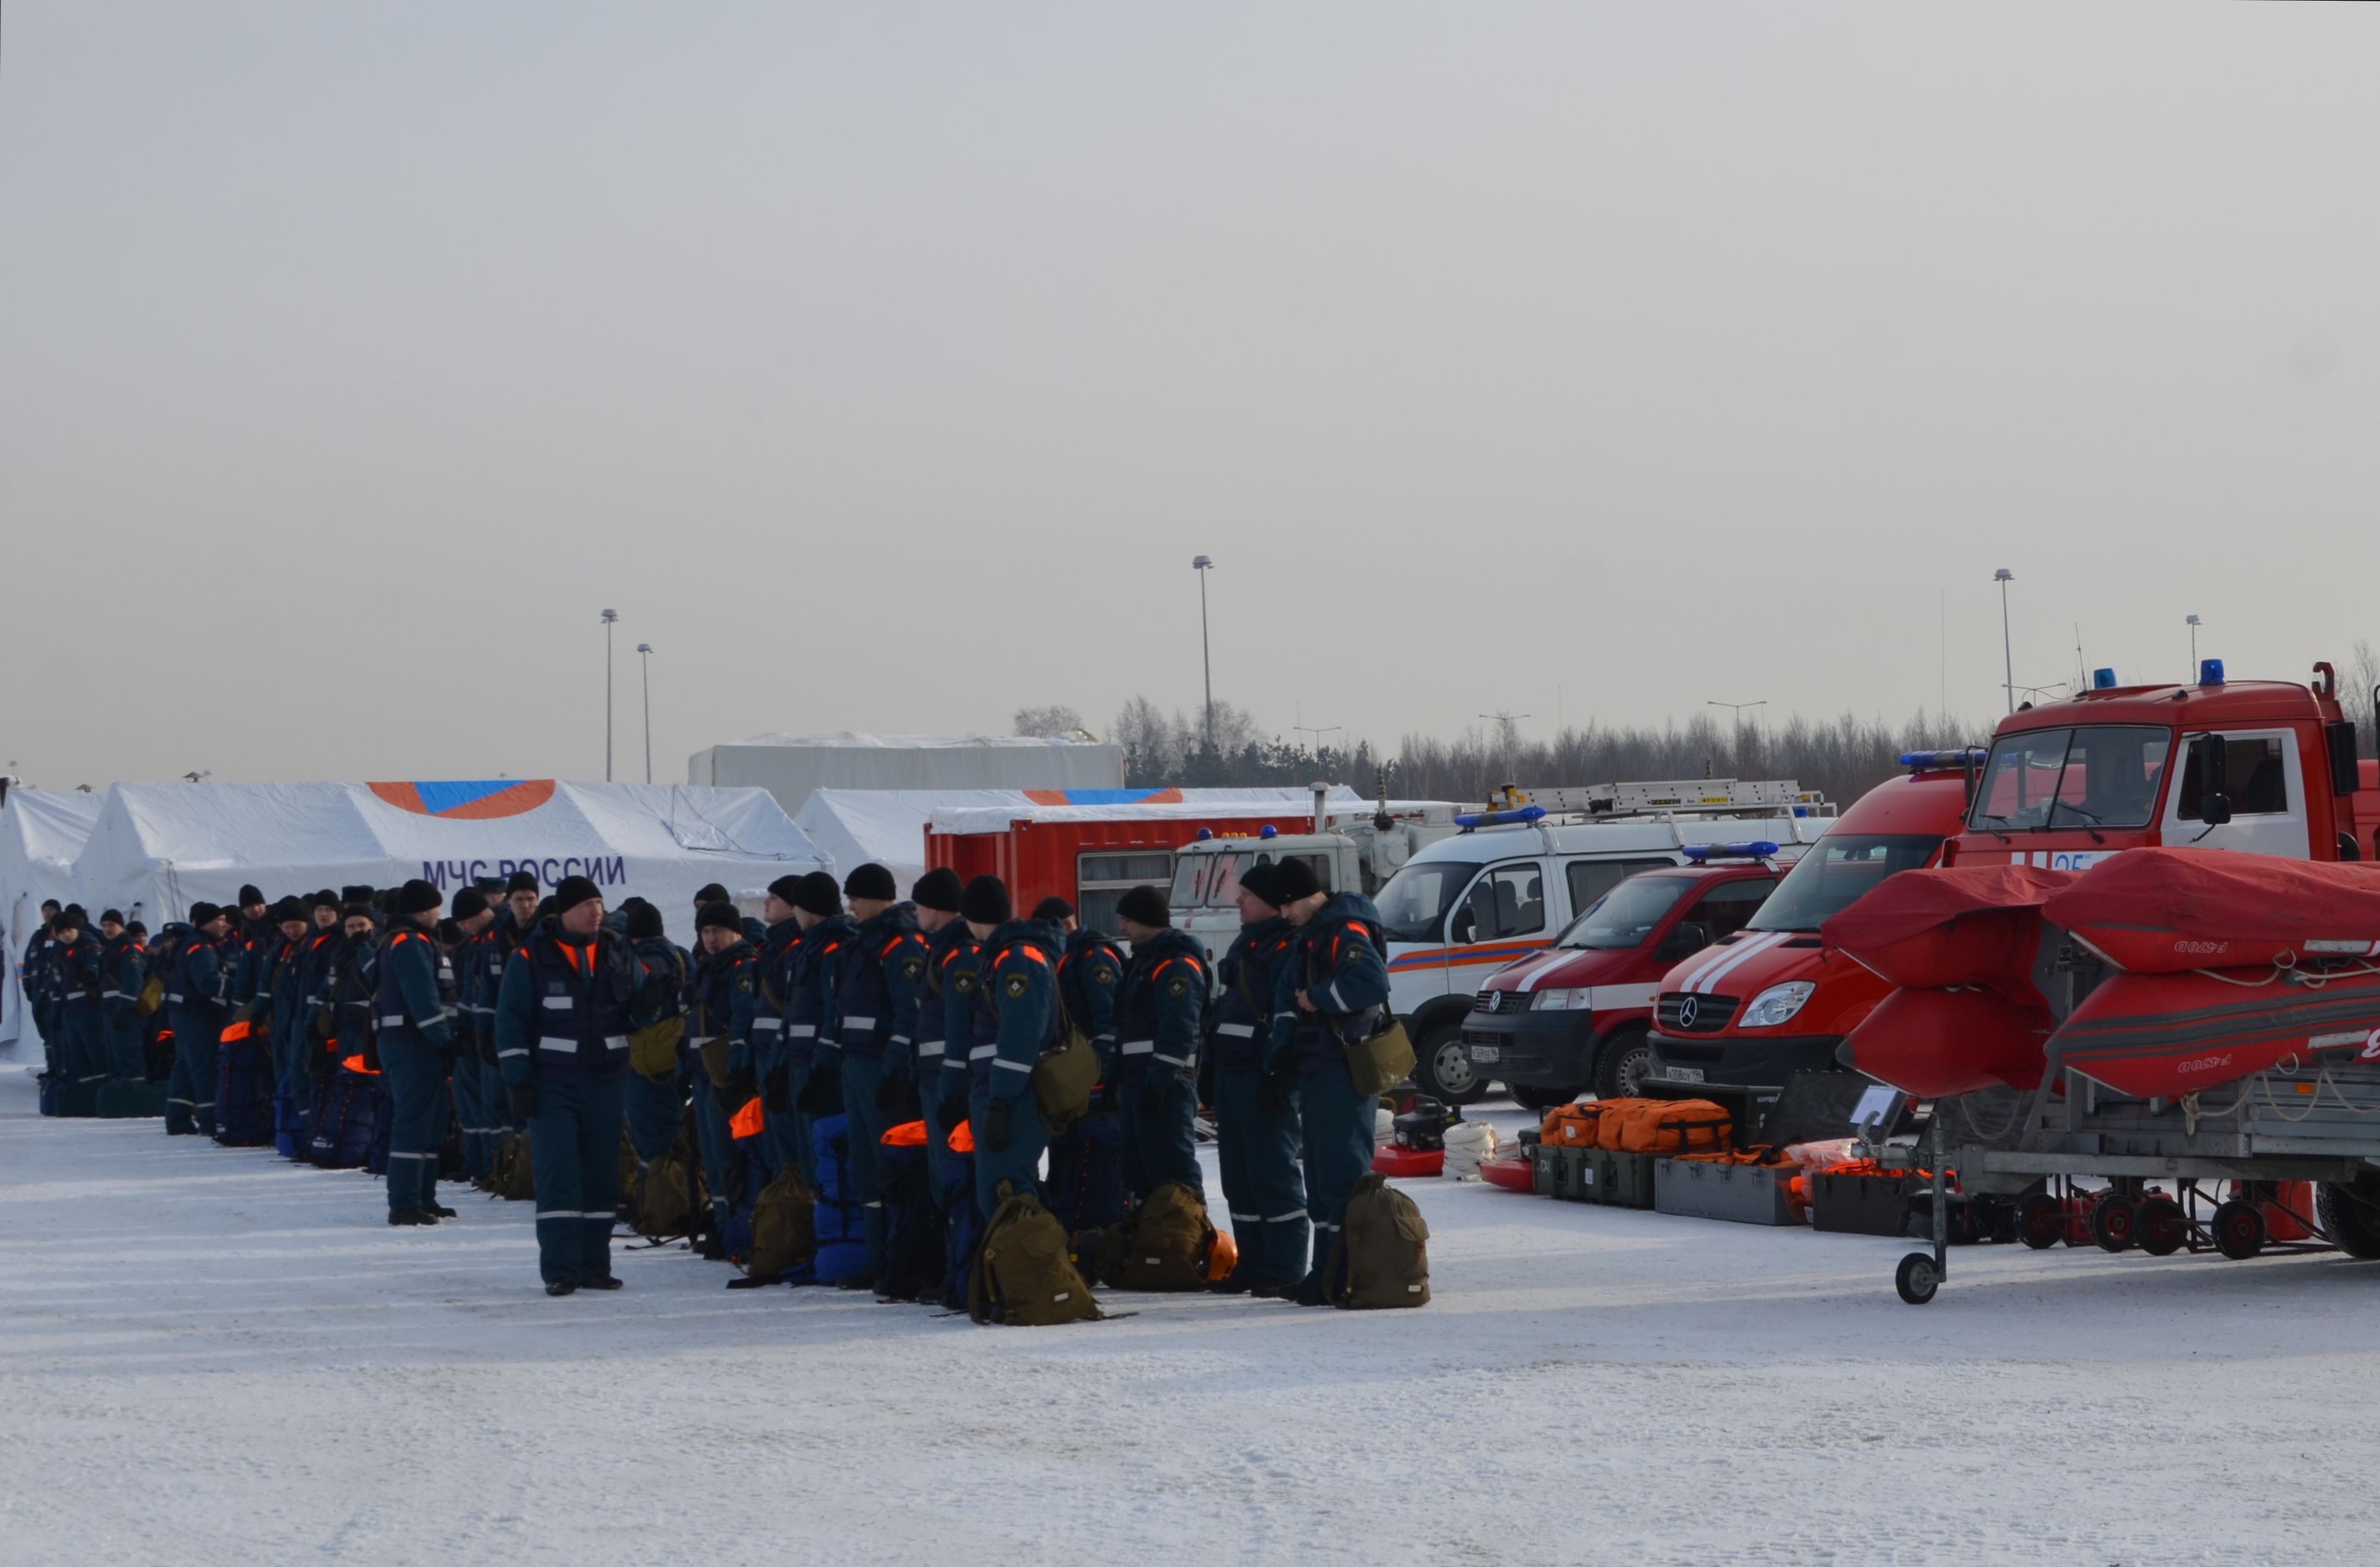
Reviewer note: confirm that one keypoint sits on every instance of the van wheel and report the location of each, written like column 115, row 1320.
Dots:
column 1442, row 1067
column 1622, row 1065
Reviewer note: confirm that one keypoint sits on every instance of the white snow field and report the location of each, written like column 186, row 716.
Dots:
column 214, row 1356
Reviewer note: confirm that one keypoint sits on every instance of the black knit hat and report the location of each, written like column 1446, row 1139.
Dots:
column 417, row 897
column 1145, row 905
column 113, row 916
column 818, row 894
column 135, row 928
column 520, row 881
column 288, row 908
column 325, row 898
column 985, row 902
column 1054, row 911
column 358, row 894
column 488, row 888
column 358, row 912
column 70, row 918
column 644, row 922
column 872, row 880
column 573, row 891
column 938, row 889
column 251, row 896
column 200, row 914
column 786, row 889
column 450, row 934
column 1292, row 879
column 713, row 894
column 1261, row 880
column 470, row 902
column 718, row 912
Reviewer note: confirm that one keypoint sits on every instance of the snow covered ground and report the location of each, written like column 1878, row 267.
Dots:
column 211, row 1356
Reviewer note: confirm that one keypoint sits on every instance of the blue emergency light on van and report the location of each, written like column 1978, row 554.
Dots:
column 2103, row 679
column 1760, row 848
column 1501, row 818
column 1267, row 830
column 1205, row 835
column 2210, row 671
column 1956, row 757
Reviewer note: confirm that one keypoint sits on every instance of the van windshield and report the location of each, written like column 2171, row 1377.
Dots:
column 1835, row 874
column 1415, row 903
column 1626, row 915
column 1208, row 881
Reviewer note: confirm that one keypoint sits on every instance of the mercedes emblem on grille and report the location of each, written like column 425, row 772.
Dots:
column 1688, row 1008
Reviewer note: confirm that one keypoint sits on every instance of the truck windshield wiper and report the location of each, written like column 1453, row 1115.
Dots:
column 2090, row 821
column 1994, row 831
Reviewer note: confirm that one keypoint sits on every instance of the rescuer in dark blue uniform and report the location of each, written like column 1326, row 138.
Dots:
column 74, row 960
column 562, row 1042
column 37, row 979
column 1160, row 1022
column 756, row 1067
column 1016, row 1016
column 197, row 989
column 414, row 997
column 717, row 1004
column 123, row 969
column 811, row 1067
column 477, row 1089
column 877, row 988
column 1257, row 1136
column 1332, row 987
column 656, row 1103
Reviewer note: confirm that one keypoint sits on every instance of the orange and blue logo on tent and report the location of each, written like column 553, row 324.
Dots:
column 475, row 801
column 1104, row 796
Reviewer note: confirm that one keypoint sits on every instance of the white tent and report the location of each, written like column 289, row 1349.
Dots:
column 162, row 847
column 40, row 833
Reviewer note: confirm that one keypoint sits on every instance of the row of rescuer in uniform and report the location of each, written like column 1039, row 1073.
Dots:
column 936, row 1008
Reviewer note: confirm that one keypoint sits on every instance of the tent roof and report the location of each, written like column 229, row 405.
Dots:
column 46, row 825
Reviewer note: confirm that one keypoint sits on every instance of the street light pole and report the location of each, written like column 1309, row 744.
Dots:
column 611, row 618
column 1738, row 708
column 645, row 656
column 2008, row 648
column 2192, row 620
column 1203, row 564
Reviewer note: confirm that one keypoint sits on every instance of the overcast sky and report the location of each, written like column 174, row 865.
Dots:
column 885, row 365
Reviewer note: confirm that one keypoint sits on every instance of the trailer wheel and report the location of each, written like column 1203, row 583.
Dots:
column 2161, row 1226
column 2040, row 1221
column 2351, row 1217
column 1917, row 1278
column 2115, row 1223
column 2239, row 1230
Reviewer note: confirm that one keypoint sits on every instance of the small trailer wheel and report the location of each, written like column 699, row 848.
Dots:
column 2040, row 1221
column 1917, row 1278
column 2162, row 1225
column 2239, row 1230
column 2115, row 1223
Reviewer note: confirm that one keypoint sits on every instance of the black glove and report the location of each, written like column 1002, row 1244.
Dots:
column 523, row 1098
column 1152, row 1094
column 780, row 1093
column 951, row 1112
column 896, row 1098
column 1273, row 1091
column 823, row 1090
column 993, row 1135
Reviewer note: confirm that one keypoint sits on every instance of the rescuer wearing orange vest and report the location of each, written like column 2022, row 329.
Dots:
column 414, row 992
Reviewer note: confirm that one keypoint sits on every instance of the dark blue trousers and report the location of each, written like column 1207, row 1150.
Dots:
column 575, row 1150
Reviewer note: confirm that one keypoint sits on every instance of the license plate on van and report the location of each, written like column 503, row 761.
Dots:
column 1682, row 1074
column 1485, row 1052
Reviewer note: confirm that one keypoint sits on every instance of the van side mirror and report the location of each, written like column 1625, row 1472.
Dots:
column 2214, row 779
column 1690, row 937
column 1464, row 926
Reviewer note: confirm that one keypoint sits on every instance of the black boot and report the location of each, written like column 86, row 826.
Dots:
column 606, row 1282
column 441, row 1209
column 561, row 1286
column 411, row 1217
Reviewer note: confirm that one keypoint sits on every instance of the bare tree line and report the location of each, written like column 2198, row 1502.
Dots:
column 1843, row 757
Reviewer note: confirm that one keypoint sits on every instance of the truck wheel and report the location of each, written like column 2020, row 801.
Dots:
column 2351, row 1217
column 2116, row 1222
column 2239, row 1230
column 1442, row 1067
column 1622, row 1065
column 2163, row 1226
